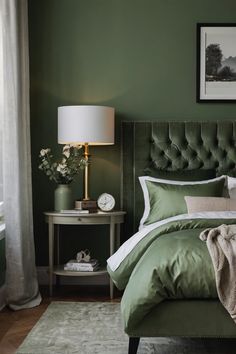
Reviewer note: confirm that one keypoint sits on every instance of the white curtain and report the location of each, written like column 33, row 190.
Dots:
column 21, row 280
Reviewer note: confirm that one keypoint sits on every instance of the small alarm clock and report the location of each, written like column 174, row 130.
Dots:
column 106, row 202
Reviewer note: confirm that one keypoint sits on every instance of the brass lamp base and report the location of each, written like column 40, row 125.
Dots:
column 90, row 205
column 86, row 203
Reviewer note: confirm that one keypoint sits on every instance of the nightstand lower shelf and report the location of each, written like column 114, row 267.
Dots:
column 59, row 270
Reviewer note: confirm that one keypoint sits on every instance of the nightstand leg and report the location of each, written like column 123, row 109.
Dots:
column 58, row 251
column 50, row 248
column 112, row 248
column 58, row 243
column 117, row 236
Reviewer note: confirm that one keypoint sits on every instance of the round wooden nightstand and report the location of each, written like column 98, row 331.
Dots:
column 55, row 219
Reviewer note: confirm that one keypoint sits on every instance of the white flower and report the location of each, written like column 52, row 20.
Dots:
column 61, row 167
column 64, row 172
column 44, row 152
column 66, row 151
column 76, row 146
column 66, row 147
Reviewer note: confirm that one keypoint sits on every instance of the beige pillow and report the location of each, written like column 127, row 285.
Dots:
column 198, row 204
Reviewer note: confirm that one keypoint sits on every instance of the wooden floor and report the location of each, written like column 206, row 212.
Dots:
column 15, row 325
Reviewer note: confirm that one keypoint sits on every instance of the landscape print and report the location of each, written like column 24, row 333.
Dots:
column 220, row 57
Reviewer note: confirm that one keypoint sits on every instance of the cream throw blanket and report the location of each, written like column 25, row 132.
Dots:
column 221, row 244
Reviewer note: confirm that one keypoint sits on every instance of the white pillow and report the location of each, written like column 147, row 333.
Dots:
column 143, row 180
column 231, row 185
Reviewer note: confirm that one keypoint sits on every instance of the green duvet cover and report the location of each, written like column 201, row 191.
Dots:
column 171, row 262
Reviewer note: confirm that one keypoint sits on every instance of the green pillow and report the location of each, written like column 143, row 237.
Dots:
column 166, row 199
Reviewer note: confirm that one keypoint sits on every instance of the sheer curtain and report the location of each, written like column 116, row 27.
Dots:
column 2, row 225
column 21, row 280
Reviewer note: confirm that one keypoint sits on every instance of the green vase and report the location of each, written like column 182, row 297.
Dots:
column 63, row 198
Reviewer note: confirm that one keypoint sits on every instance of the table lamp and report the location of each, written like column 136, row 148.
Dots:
column 86, row 125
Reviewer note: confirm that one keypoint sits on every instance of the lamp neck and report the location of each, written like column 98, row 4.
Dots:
column 86, row 172
column 86, row 150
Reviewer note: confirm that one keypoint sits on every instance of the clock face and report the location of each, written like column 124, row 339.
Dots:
column 106, row 202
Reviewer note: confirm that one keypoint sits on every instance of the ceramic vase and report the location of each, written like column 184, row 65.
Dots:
column 63, row 197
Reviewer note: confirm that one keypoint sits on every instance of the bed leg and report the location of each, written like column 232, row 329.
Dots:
column 133, row 344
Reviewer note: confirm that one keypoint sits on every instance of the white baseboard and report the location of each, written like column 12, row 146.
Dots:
column 43, row 279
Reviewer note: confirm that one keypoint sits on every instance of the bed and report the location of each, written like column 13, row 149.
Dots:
column 190, row 151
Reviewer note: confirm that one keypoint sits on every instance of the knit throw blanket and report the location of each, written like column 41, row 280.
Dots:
column 221, row 244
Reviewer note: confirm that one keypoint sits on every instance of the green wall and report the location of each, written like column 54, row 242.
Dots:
column 137, row 56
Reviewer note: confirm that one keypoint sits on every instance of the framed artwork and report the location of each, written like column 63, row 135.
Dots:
column 216, row 62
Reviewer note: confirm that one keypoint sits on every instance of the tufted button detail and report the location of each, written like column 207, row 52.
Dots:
column 186, row 164
column 185, row 142
column 167, row 141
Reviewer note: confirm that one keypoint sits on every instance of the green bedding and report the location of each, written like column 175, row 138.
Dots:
column 171, row 262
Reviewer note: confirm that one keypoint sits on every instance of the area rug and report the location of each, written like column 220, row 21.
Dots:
column 96, row 328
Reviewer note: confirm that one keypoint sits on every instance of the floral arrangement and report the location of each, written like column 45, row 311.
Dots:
column 62, row 171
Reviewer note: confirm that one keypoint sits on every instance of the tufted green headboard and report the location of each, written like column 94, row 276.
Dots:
column 174, row 150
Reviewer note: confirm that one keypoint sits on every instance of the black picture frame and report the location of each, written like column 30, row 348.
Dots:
column 216, row 60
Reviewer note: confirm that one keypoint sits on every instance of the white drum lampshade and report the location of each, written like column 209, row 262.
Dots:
column 86, row 124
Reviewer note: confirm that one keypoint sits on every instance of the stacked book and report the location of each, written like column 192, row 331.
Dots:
column 82, row 266
column 75, row 211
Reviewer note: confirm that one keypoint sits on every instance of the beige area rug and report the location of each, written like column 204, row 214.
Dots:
column 96, row 328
